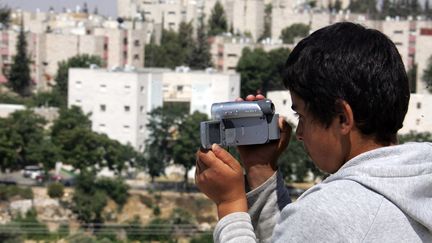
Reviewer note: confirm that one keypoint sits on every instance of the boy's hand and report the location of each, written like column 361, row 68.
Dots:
column 220, row 177
column 260, row 161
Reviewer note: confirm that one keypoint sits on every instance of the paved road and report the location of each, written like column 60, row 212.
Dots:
column 16, row 178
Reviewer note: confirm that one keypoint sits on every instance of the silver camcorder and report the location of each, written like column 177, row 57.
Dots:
column 240, row 123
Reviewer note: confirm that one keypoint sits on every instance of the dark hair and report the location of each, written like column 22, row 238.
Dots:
column 346, row 61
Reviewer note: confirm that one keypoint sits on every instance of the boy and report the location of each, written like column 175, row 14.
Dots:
column 349, row 88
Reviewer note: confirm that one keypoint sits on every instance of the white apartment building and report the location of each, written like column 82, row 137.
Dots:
column 248, row 17
column 68, row 35
column 423, row 53
column 418, row 117
column 118, row 100
column 244, row 16
column 200, row 88
column 226, row 51
column 167, row 14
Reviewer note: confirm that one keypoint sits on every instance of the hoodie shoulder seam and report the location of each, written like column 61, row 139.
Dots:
column 375, row 217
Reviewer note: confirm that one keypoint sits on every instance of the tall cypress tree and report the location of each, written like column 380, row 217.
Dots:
column 201, row 58
column 217, row 22
column 19, row 74
column 427, row 10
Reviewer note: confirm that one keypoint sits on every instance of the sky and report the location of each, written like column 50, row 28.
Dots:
column 105, row 7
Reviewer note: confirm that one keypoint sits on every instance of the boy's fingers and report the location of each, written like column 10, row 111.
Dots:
column 250, row 97
column 226, row 157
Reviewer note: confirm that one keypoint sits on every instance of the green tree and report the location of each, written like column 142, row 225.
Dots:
column 162, row 123
column 47, row 99
column 338, row 5
column 298, row 30
column 217, row 22
column 8, row 142
column 87, row 201
column 412, row 78
column 188, row 137
column 415, row 137
column 187, row 43
column 5, row 13
column 267, row 22
column 201, row 58
column 19, row 73
column 171, row 46
column 253, row 67
column 155, row 56
column 427, row 10
column 27, row 137
column 277, row 58
column 85, row 149
column 69, row 119
column 261, row 71
column 427, row 75
column 62, row 75
column 116, row 189
column 364, row 7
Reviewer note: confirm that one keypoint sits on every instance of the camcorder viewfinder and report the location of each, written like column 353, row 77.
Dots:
column 240, row 123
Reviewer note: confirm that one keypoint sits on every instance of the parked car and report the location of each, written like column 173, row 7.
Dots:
column 32, row 171
column 50, row 178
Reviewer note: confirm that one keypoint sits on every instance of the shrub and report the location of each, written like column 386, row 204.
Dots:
column 56, row 190
column 116, row 189
column 9, row 191
column 156, row 210
column 146, row 200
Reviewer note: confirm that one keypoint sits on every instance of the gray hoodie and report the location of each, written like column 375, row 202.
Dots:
column 384, row 195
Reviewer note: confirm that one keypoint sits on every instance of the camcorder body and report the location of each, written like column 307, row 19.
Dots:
column 240, row 123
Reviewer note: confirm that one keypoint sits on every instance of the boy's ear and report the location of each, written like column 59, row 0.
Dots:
column 346, row 117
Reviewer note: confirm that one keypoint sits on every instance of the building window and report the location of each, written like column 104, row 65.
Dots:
column 78, row 101
column 126, row 108
column 171, row 13
column 142, row 109
column 284, row 102
column 136, row 43
column 102, row 127
column 418, row 105
column 398, row 43
column 232, row 55
column 125, row 41
column 78, row 84
column 232, row 90
column 125, row 54
column 126, row 128
column 398, row 31
column 141, row 128
column 127, row 88
column 136, row 57
column 180, row 88
column 102, row 107
column 142, row 89
column 417, row 122
column 103, row 87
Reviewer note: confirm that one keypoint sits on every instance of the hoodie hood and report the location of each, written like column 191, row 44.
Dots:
column 400, row 173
